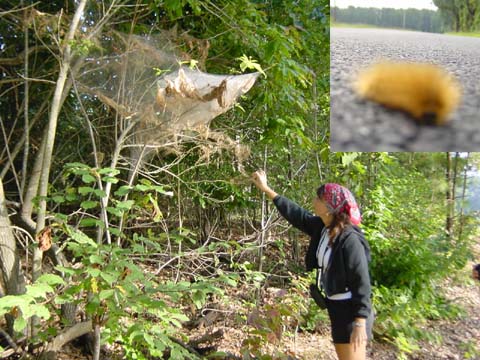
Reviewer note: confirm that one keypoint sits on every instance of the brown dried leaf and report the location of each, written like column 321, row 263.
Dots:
column 44, row 238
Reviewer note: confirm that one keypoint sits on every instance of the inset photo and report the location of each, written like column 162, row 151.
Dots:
column 405, row 75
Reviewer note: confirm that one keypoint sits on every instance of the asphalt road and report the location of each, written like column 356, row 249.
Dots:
column 360, row 125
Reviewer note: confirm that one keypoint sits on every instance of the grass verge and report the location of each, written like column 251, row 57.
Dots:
column 345, row 25
column 470, row 34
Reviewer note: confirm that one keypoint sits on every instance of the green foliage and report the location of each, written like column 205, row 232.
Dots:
column 86, row 189
column 411, row 255
column 82, row 47
column 310, row 314
column 401, row 311
column 246, row 62
column 268, row 324
column 470, row 349
column 23, row 307
column 133, row 308
column 460, row 15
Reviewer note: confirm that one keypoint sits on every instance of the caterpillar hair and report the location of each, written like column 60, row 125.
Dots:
column 425, row 91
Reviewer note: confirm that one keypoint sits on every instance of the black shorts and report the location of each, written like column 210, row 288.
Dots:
column 341, row 318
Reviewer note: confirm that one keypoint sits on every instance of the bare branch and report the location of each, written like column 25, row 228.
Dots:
column 70, row 334
column 3, row 13
column 21, row 57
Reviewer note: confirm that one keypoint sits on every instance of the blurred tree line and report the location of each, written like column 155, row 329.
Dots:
column 460, row 15
column 413, row 19
column 452, row 15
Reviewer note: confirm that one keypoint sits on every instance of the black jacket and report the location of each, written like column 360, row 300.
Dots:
column 348, row 264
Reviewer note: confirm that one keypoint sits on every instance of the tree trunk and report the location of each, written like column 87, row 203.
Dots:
column 10, row 265
column 316, row 130
column 50, row 139
column 264, row 230
column 464, row 189
column 454, row 191
column 96, row 349
column 449, row 196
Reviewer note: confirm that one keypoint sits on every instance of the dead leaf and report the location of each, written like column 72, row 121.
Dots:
column 15, row 312
column 44, row 238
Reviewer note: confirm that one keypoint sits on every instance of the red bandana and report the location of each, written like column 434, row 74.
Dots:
column 339, row 199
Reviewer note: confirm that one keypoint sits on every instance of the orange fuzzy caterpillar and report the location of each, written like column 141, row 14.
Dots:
column 425, row 91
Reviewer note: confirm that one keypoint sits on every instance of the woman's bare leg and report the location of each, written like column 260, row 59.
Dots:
column 345, row 352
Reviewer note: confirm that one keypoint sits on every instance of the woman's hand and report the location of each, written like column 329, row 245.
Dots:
column 359, row 336
column 259, row 178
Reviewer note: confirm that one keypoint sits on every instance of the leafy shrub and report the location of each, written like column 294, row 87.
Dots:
column 411, row 255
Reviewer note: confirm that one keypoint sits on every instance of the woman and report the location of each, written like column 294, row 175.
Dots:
column 476, row 272
column 341, row 253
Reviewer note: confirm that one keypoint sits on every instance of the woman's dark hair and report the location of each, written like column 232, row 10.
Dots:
column 339, row 221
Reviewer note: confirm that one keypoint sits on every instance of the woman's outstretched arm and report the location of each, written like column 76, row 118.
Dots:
column 259, row 179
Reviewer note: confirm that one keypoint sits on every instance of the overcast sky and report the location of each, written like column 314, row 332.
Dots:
column 396, row 4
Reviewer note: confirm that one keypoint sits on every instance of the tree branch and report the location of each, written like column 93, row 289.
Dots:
column 68, row 335
column 21, row 57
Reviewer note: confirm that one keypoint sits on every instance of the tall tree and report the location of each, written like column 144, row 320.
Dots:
column 10, row 264
column 460, row 15
column 450, row 200
column 450, row 12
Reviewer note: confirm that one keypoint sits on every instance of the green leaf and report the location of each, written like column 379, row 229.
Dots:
column 347, row 158
column 100, row 193
column 58, row 199
column 61, row 217
column 246, row 62
column 71, row 196
column 76, row 165
column 40, row 311
column 125, row 205
column 115, row 231
column 93, row 272
column 65, row 270
column 110, row 179
column 50, row 279
column 137, row 334
column 38, row 290
column 96, row 259
column 63, row 299
column 114, row 211
column 198, row 298
column 19, row 324
column 180, row 316
column 228, row 280
column 10, row 301
column 105, row 294
column 123, row 190
column 89, row 222
column 93, row 306
column 143, row 188
column 87, row 178
column 149, row 339
column 88, row 204
column 83, row 239
column 109, row 171
column 108, row 277
column 83, row 190
column 162, row 191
